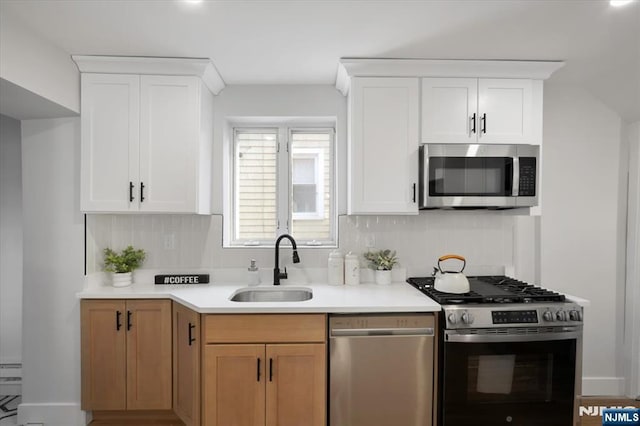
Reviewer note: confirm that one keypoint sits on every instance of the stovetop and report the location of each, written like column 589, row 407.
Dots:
column 488, row 289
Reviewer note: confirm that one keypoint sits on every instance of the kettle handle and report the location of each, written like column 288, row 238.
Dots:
column 452, row 256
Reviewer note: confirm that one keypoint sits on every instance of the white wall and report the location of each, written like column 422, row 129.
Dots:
column 53, row 272
column 10, row 242
column 580, row 225
column 34, row 63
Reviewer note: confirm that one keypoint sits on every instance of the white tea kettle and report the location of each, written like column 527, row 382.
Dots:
column 451, row 281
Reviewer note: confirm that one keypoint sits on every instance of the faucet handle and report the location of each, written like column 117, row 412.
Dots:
column 284, row 274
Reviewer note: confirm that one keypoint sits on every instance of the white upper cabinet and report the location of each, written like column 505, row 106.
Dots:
column 505, row 111
column 169, row 143
column 146, row 144
column 110, row 116
column 383, row 145
column 449, row 108
column 471, row 110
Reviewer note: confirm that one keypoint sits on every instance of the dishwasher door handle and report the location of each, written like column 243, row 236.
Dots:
column 355, row 332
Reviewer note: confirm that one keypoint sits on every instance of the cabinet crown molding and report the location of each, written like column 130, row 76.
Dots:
column 383, row 67
column 199, row 67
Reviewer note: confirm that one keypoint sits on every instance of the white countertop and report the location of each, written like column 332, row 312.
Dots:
column 214, row 298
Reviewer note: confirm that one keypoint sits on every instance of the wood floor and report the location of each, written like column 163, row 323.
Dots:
column 135, row 418
column 135, row 423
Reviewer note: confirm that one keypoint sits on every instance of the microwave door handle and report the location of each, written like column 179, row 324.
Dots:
column 516, row 176
column 425, row 178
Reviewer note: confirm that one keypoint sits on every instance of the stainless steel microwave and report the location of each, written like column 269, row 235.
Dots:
column 478, row 176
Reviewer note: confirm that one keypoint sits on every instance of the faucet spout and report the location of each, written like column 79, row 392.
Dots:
column 277, row 275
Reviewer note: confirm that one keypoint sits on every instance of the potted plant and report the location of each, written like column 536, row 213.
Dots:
column 122, row 264
column 382, row 262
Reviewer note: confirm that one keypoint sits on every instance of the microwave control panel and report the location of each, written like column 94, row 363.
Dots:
column 527, row 183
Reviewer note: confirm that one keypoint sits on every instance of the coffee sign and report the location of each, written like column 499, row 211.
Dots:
column 182, row 279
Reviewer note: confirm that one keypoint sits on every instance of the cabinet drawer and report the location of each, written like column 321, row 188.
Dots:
column 262, row 328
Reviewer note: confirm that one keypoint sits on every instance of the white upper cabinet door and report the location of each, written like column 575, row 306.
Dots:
column 505, row 111
column 449, row 110
column 169, row 137
column 109, row 133
column 383, row 146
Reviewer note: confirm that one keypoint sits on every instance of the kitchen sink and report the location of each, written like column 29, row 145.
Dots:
column 298, row 294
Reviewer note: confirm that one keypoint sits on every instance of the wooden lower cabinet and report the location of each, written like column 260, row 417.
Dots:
column 296, row 389
column 234, row 385
column 258, row 383
column 126, row 354
column 104, row 355
column 186, row 364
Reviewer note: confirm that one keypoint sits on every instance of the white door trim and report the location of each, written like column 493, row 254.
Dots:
column 632, row 291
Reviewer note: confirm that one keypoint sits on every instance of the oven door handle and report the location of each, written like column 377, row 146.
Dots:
column 498, row 338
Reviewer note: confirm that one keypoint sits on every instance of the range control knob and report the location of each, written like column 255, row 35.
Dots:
column 561, row 315
column 467, row 318
column 575, row 316
column 453, row 319
column 547, row 316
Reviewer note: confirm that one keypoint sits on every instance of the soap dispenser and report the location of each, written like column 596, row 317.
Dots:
column 253, row 275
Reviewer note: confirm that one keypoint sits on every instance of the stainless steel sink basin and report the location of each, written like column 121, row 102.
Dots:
column 272, row 294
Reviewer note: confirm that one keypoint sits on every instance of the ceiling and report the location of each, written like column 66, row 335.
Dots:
column 301, row 41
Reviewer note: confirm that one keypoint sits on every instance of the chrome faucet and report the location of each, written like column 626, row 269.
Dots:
column 277, row 275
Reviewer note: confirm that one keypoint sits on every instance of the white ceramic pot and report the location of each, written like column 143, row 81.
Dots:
column 383, row 277
column 122, row 279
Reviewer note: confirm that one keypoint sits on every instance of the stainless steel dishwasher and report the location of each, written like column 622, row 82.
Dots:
column 381, row 370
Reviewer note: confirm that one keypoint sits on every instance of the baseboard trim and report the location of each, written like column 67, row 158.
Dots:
column 603, row 386
column 52, row 414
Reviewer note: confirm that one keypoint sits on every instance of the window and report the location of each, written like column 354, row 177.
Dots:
column 283, row 183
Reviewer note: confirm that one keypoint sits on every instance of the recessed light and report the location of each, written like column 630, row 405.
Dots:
column 618, row 3
column 194, row 2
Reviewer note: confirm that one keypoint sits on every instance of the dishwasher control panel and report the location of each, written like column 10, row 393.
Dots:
column 424, row 322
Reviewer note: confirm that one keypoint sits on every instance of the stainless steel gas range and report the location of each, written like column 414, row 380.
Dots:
column 509, row 354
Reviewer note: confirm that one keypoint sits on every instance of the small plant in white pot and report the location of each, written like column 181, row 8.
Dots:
column 122, row 264
column 382, row 262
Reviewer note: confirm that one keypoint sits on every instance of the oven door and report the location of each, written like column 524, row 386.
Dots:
column 510, row 379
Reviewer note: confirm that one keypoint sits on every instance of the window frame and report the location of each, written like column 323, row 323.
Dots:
column 284, row 132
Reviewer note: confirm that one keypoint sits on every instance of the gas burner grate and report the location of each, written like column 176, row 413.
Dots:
column 488, row 289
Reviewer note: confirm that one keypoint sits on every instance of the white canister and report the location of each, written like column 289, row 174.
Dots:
column 336, row 268
column 351, row 269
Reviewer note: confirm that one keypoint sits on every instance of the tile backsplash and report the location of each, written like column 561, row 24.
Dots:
column 177, row 242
